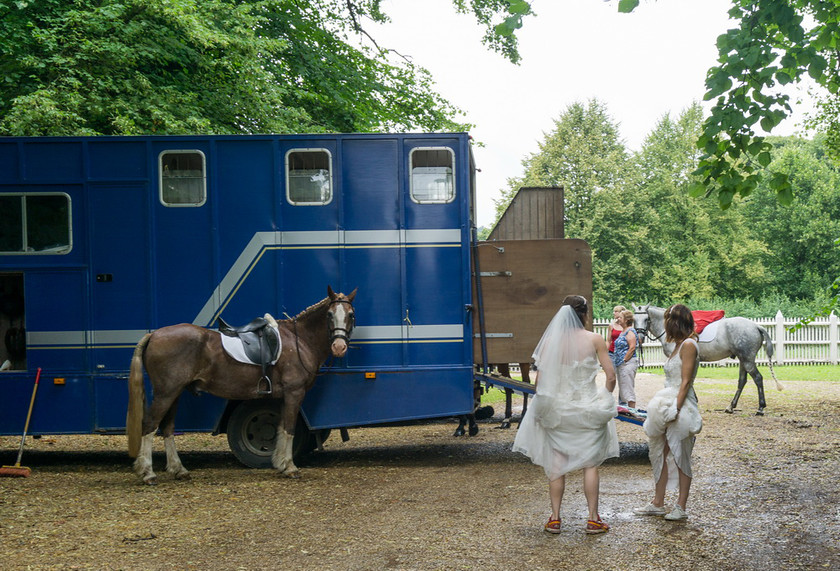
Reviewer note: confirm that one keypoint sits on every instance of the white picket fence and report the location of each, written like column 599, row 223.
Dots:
column 817, row 342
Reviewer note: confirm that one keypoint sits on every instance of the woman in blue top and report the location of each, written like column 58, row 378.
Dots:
column 625, row 360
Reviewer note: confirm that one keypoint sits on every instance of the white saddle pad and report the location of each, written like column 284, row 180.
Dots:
column 233, row 347
column 710, row 331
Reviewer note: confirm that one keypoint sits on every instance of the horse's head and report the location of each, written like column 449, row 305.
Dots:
column 341, row 318
column 641, row 319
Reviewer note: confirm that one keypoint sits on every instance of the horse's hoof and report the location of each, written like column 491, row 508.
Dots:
column 150, row 481
column 504, row 424
column 459, row 432
column 183, row 476
column 759, row 413
column 728, row 410
column 473, row 430
column 293, row 475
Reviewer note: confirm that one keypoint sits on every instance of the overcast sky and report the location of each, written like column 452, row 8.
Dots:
column 641, row 65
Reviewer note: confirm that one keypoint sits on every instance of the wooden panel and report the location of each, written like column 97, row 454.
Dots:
column 542, row 273
column 533, row 214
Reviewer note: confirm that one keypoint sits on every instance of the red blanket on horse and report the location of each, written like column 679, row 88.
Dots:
column 703, row 318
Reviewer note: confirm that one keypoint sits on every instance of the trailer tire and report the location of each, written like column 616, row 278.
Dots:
column 252, row 433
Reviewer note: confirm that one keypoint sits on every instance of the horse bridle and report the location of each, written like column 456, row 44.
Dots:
column 346, row 330
column 644, row 330
column 333, row 334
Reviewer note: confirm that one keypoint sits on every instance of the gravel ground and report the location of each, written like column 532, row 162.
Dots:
column 765, row 495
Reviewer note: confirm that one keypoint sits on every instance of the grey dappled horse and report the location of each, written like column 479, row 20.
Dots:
column 186, row 356
column 736, row 337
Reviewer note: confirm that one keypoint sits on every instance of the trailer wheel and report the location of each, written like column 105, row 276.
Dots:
column 252, row 433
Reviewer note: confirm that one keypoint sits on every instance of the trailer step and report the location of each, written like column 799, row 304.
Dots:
column 506, row 383
column 530, row 389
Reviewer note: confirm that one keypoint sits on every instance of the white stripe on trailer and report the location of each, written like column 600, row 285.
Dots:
column 377, row 334
column 250, row 256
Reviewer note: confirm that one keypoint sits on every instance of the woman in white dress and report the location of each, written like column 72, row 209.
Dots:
column 673, row 417
column 569, row 423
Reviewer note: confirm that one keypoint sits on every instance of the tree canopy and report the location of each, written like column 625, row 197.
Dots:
column 96, row 67
column 776, row 42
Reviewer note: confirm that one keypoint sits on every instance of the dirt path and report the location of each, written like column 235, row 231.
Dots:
column 765, row 496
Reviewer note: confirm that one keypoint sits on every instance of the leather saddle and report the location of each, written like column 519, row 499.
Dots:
column 260, row 343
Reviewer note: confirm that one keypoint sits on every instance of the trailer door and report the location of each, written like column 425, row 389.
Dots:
column 120, row 272
column 436, row 254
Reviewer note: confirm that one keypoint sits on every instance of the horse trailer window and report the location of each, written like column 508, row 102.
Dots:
column 309, row 176
column 35, row 224
column 432, row 175
column 183, row 178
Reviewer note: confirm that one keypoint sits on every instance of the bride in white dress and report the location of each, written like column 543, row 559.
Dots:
column 673, row 417
column 569, row 423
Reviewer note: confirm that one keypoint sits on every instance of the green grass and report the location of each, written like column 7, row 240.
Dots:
column 783, row 372
column 494, row 395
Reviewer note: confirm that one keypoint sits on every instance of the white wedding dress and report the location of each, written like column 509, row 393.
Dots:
column 664, row 425
column 569, row 424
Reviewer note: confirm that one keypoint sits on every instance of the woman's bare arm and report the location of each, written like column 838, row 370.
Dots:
column 604, row 359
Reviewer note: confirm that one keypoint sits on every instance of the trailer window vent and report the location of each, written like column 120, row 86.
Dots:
column 432, row 175
column 35, row 224
column 309, row 177
column 183, row 178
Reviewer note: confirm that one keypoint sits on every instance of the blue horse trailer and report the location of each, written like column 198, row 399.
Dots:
column 103, row 239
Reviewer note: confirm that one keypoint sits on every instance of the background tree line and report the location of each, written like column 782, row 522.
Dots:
column 653, row 243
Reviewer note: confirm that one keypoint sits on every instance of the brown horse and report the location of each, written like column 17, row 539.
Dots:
column 186, row 356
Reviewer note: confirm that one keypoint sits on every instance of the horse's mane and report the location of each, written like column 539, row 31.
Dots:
column 309, row 310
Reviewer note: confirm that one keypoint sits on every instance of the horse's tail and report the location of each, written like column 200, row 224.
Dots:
column 136, row 399
column 768, row 346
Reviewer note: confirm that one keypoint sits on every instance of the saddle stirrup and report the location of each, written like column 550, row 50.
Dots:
column 264, row 362
column 260, row 390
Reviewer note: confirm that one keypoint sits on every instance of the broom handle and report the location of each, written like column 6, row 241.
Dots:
column 28, row 416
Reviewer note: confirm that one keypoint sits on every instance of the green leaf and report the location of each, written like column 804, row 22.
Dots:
column 725, row 197
column 755, row 146
column 780, row 182
column 785, row 195
column 696, row 189
column 627, row 6
column 520, row 7
column 504, row 29
column 817, row 67
column 788, row 61
column 717, row 83
column 764, row 158
column 767, row 124
column 711, row 147
column 509, row 26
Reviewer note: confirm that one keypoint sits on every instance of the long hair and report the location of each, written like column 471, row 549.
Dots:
column 679, row 323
